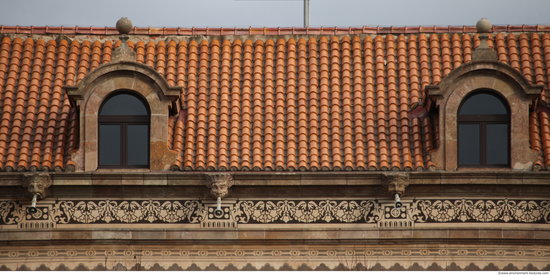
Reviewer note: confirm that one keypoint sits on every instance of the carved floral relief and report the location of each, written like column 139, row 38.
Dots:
column 282, row 211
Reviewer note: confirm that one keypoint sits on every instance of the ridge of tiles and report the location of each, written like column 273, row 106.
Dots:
column 319, row 103
column 151, row 31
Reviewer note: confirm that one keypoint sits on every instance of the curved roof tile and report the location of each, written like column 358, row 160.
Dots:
column 325, row 103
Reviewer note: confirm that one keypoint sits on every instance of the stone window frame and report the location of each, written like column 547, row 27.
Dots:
column 483, row 121
column 471, row 77
column 124, row 121
column 139, row 78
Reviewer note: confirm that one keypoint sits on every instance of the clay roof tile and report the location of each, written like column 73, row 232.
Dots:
column 317, row 103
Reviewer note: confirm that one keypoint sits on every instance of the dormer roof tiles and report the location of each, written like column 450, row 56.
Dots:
column 316, row 101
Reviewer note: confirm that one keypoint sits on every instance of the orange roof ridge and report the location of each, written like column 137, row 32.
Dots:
column 44, row 30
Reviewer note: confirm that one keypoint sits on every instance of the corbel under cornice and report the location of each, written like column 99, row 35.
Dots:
column 37, row 183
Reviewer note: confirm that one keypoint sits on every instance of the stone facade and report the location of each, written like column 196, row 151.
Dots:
column 448, row 218
column 324, row 221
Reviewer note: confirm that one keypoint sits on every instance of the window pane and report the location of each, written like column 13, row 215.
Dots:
column 123, row 105
column 497, row 144
column 138, row 144
column 468, row 144
column 109, row 144
column 483, row 104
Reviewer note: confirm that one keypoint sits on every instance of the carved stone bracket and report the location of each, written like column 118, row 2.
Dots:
column 396, row 183
column 37, row 183
column 219, row 184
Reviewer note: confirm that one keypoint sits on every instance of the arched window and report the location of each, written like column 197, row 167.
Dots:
column 124, row 132
column 483, row 131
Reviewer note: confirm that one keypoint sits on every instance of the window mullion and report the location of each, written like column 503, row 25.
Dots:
column 509, row 141
column 483, row 143
column 123, row 144
column 124, row 118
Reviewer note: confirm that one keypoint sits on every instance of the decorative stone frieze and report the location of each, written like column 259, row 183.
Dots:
column 306, row 211
column 219, row 184
column 260, row 211
column 247, row 257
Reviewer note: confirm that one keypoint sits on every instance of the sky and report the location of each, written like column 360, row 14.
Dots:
column 271, row 13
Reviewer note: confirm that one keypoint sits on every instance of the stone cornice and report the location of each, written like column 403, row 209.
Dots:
column 142, row 178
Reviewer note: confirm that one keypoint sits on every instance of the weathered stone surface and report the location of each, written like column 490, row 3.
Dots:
column 219, row 184
column 396, row 183
column 124, row 25
column 123, row 75
column 484, row 74
column 37, row 183
column 189, row 256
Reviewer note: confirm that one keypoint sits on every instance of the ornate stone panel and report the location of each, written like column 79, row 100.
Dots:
column 383, row 213
column 9, row 212
column 133, row 211
column 306, row 211
column 462, row 210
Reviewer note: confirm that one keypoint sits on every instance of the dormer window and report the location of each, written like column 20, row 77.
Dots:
column 124, row 131
column 483, row 131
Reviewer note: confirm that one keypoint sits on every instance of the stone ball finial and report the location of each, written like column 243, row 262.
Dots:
column 483, row 25
column 124, row 25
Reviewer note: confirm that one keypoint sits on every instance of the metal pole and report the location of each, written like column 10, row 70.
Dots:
column 306, row 13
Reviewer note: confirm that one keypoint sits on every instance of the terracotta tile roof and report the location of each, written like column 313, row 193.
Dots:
column 274, row 103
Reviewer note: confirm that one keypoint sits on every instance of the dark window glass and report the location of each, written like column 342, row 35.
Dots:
column 483, row 104
column 468, row 144
column 483, row 131
column 124, row 132
column 123, row 105
column 497, row 144
column 138, row 144
column 109, row 144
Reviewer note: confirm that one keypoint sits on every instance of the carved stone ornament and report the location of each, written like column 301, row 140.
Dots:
column 37, row 183
column 124, row 25
column 219, row 184
column 396, row 182
column 483, row 25
column 484, row 52
column 124, row 53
